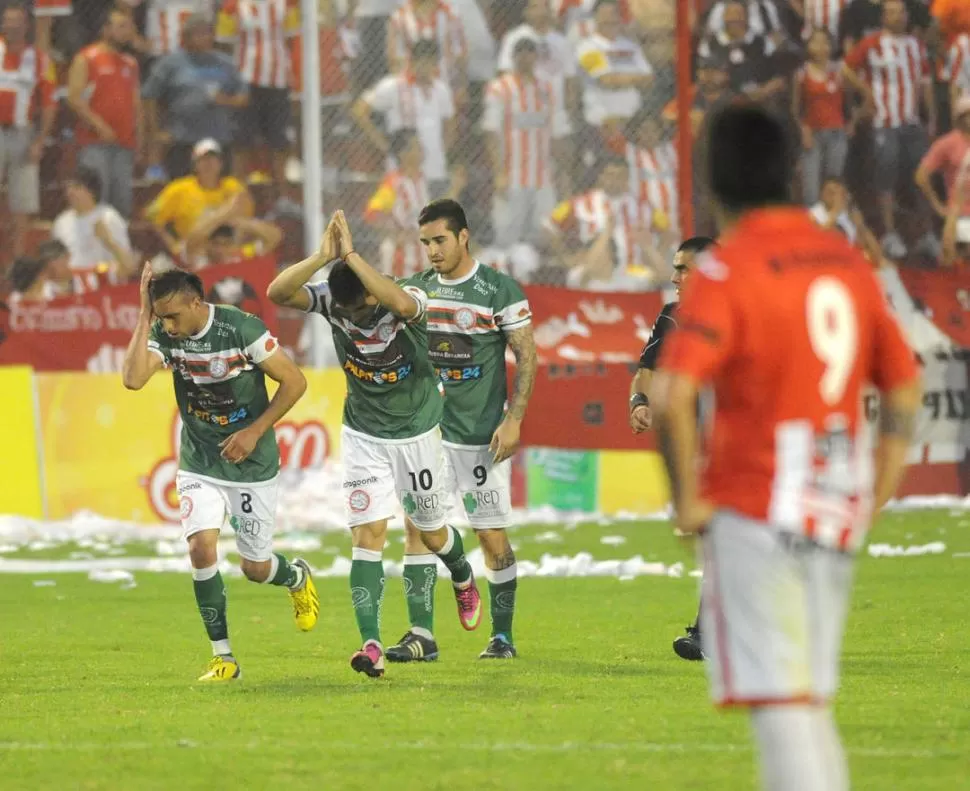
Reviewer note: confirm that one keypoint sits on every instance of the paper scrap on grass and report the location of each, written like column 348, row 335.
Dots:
column 897, row 551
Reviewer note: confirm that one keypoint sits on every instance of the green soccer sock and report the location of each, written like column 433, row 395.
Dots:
column 452, row 554
column 420, row 576
column 367, row 591
column 210, row 595
column 284, row 573
column 502, row 584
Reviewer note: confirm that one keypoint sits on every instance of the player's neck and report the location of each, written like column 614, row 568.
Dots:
column 463, row 269
column 205, row 314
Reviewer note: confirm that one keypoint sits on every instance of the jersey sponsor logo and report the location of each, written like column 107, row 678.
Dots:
column 446, row 348
column 218, row 368
column 246, row 525
column 189, row 486
column 216, row 419
column 419, row 503
column 360, row 482
column 378, row 377
column 185, row 507
column 466, row 374
column 358, row 500
column 464, row 318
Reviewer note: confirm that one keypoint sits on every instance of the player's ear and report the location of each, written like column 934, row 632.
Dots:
column 463, row 237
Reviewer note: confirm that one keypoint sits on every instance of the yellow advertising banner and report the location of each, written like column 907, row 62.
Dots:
column 20, row 480
column 115, row 452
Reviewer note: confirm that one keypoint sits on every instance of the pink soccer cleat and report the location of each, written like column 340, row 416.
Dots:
column 369, row 660
column 469, row 605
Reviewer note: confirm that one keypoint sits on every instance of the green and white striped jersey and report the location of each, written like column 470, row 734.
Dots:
column 392, row 390
column 467, row 324
column 220, row 390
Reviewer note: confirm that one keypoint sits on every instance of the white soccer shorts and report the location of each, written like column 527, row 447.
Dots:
column 483, row 487
column 773, row 612
column 381, row 473
column 249, row 508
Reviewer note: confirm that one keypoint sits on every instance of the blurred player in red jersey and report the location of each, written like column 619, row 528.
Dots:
column 787, row 322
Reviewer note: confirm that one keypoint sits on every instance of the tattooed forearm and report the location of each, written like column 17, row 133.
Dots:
column 897, row 422
column 523, row 346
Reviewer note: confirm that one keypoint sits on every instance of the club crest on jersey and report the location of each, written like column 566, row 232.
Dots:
column 385, row 332
column 464, row 318
column 218, row 368
column 185, row 507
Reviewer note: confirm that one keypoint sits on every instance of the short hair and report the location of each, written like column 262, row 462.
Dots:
column 175, row 281
column 445, row 209
column 600, row 3
column 223, row 231
column 400, row 140
column 51, row 250
column 89, row 179
column 345, row 286
column 425, row 48
column 696, row 244
column 750, row 157
column 24, row 272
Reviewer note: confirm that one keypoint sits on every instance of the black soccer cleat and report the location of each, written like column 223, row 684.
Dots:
column 688, row 646
column 413, row 648
column 498, row 648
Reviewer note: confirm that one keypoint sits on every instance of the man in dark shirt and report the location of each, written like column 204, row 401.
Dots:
column 687, row 646
column 862, row 17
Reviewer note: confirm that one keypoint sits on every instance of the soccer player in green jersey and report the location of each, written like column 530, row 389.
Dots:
column 390, row 443
column 474, row 313
column 229, row 460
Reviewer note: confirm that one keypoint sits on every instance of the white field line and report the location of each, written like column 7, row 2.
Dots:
column 486, row 747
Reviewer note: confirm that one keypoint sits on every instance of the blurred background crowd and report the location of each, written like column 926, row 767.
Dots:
column 168, row 130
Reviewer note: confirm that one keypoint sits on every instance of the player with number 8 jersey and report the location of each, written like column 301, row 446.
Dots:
column 229, row 459
column 390, row 444
column 474, row 314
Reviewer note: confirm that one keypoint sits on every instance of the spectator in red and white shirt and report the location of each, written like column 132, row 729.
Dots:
column 104, row 90
column 949, row 156
column 956, row 70
column 893, row 65
column 605, row 237
column 819, row 103
column 653, row 168
column 617, row 73
column 26, row 96
column 259, row 31
column 522, row 125
column 165, row 22
column 429, row 20
column 417, row 100
column 821, row 15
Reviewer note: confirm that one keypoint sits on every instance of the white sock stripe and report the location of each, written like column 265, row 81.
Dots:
column 374, row 555
column 498, row 576
column 274, row 567
column 449, row 542
column 420, row 560
column 201, row 575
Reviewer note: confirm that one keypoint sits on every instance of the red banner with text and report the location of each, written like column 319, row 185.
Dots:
column 89, row 332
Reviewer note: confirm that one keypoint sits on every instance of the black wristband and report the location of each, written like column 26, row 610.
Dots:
column 638, row 399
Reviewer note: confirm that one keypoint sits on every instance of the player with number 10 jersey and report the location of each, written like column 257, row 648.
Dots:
column 474, row 313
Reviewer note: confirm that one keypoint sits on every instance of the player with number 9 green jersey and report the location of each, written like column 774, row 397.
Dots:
column 468, row 319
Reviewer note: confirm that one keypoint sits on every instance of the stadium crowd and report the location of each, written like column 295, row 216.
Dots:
column 168, row 129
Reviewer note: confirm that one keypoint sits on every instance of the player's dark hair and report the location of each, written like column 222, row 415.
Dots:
column 345, row 286
column 175, row 281
column 696, row 244
column 445, row 209
column 750, row 157
column 24, row 273
column 89, row 179
column 400, row 140
column 223, row 232
column 425, row 48
column 51, row 250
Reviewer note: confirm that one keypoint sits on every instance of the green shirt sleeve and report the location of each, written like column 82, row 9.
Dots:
column 255, row 339
column 160, row 343
column 511, row 309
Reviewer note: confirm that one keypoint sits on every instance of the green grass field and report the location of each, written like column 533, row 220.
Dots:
column 97, row 682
